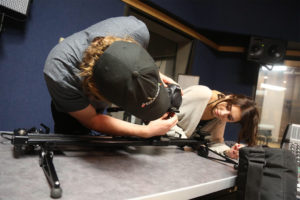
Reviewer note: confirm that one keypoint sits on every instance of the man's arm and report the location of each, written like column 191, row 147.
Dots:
column 109, row 125
column 166, row 80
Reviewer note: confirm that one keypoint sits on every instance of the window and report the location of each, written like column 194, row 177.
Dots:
column 278, row 100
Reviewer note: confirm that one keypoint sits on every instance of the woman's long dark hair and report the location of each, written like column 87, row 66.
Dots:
column 249, row 119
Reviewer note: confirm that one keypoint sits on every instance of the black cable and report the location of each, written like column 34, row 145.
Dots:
column 1, row 22
column 227, row 159
column 4, row 135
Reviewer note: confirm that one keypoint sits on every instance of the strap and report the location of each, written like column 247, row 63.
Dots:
column 256, row 164
column 227, row 159
column 220, row 96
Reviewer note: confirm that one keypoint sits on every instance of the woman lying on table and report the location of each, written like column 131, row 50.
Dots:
column 209, row 110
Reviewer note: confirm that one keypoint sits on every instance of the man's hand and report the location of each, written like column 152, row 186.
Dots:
column 167, row 80
column 161, row 126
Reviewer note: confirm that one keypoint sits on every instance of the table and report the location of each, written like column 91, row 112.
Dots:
column 146, row 172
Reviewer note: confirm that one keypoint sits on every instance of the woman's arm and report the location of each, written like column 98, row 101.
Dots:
column 217, row 132
column 106, row 124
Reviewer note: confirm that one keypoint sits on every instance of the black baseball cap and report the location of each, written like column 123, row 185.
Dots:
column 127, row 76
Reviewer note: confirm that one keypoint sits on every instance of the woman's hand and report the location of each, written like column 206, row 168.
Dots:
column 161, row 126
column 233, row 152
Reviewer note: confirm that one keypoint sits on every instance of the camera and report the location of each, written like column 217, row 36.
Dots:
column 174, row 92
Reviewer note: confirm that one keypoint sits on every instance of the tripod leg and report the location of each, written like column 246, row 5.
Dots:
column 46, row 158
column 17, row 151
column 202, row 151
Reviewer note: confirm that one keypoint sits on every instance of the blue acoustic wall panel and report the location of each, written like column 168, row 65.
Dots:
column 270, row 18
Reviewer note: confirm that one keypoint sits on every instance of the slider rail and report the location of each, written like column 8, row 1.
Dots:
column 102, row 141
column 47, row 143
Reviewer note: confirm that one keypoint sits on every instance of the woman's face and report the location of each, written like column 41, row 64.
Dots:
column 227, row 112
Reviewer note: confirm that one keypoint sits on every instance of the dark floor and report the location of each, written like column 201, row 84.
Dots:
column 228, row 194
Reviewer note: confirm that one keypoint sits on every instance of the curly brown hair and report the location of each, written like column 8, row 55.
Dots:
column 90, row 57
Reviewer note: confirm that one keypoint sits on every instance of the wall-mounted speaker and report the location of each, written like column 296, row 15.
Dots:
column 15, row 8
column 266, row 50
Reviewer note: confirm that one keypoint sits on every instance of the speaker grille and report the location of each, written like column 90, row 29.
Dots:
column 266, row 50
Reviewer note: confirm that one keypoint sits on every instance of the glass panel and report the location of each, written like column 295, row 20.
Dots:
column 278, row 100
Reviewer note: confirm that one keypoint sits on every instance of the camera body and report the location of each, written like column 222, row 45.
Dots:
column 174, row 92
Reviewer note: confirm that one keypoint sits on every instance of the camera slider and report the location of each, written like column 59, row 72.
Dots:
column 46, row 144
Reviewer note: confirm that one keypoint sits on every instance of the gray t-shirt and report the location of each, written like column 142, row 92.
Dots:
column 62, row 70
